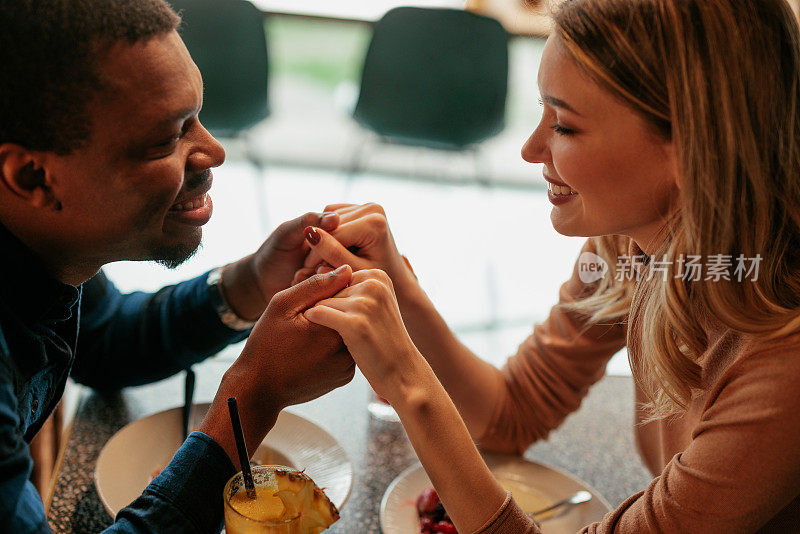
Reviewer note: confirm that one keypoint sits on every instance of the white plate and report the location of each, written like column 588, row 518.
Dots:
column 399, row 512
column 127, row 461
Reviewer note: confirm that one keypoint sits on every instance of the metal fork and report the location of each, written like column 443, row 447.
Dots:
column 576, row 498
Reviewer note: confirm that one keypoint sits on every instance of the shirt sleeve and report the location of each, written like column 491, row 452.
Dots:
column 186, row 496
column 137, row 338
column 552, row 371
column 21, row 508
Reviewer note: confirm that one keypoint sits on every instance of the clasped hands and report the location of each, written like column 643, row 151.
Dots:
column 315, row 321
column 301, row 323
column 366, row 314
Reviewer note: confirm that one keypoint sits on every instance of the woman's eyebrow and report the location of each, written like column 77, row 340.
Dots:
column 557, row 102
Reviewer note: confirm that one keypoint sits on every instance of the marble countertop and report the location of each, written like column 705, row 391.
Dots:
column 595, row 444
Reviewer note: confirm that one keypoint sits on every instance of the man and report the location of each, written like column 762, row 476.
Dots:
column 102, row 158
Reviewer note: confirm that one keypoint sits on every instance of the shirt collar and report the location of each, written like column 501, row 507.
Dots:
column 27, row 288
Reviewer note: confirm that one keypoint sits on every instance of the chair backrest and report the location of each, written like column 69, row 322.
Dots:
column 435, row 77
column 227, row 41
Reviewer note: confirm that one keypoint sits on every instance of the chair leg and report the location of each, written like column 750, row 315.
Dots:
column 260, row 185
column 482, row 170
column 354, row 168
column 355, row 158
column 261, row 193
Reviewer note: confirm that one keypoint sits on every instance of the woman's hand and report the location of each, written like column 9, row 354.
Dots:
column 362, row 240
column 367, row 317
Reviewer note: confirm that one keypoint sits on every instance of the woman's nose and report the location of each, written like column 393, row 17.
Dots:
column 535, row 149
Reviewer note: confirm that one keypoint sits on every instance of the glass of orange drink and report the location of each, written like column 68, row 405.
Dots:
column 266, row 514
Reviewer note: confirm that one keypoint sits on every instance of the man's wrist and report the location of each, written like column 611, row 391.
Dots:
column 220, row 293
column 243, row 290
column 258, row 416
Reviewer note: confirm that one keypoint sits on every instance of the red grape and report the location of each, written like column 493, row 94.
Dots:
column 444, row 527
column 427, row 501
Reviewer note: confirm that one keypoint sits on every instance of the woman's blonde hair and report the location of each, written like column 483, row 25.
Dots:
column 721, row 80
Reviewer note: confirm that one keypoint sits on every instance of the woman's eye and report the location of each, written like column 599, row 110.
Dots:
column 557, row 127
column 561, row 130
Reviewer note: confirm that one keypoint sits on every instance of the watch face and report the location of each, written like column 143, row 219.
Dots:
column 214, row 292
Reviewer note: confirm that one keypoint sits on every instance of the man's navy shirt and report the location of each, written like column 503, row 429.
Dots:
column 105, row 340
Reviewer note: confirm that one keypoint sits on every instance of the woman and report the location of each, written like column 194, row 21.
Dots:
column 674, row 126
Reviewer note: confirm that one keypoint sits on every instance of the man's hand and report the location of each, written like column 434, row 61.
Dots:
column 287, row 360
column 250, row 283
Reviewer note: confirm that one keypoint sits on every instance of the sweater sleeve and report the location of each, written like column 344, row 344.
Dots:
column 510, row 519
column 740, row 468
column 742, row 465
column 552, row 371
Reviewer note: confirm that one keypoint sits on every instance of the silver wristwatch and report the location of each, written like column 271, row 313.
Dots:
column 226, row 314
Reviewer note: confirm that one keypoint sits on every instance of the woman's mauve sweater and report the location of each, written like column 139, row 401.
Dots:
column 730, row 464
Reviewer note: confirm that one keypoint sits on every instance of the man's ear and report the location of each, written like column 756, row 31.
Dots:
column 22, row 174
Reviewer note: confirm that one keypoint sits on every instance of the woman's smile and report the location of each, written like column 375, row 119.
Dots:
column 560, row 194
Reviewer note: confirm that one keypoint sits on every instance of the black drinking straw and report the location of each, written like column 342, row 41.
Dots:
column 244, row 460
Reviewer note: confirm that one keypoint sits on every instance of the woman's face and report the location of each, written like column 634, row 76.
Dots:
column 623, row 174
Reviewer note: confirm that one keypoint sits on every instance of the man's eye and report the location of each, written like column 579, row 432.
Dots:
column 161, row 149
column 169, row 142
column 561, row 130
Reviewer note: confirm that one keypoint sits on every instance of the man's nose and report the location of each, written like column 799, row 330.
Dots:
column 209, row 152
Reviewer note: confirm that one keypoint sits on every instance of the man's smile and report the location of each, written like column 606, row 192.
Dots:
column 194, row 210
column 196, row 202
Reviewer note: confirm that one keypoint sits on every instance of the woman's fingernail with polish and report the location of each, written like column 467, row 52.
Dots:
column 312, row 236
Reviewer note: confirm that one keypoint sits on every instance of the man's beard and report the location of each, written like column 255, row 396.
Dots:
column 172, row 257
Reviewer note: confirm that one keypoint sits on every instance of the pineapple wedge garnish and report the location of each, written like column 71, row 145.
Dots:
column 300, row 496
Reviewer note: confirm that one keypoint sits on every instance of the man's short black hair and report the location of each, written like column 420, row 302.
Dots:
column 49, row 50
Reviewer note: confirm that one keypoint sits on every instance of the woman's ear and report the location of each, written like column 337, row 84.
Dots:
column 22, row 174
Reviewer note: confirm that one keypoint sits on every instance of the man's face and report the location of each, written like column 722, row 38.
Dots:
column 137, row 189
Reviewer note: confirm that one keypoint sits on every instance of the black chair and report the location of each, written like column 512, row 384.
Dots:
column 434, row 78
column 227, row 41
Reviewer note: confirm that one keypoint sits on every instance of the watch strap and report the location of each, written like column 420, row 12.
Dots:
column 223, row 309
